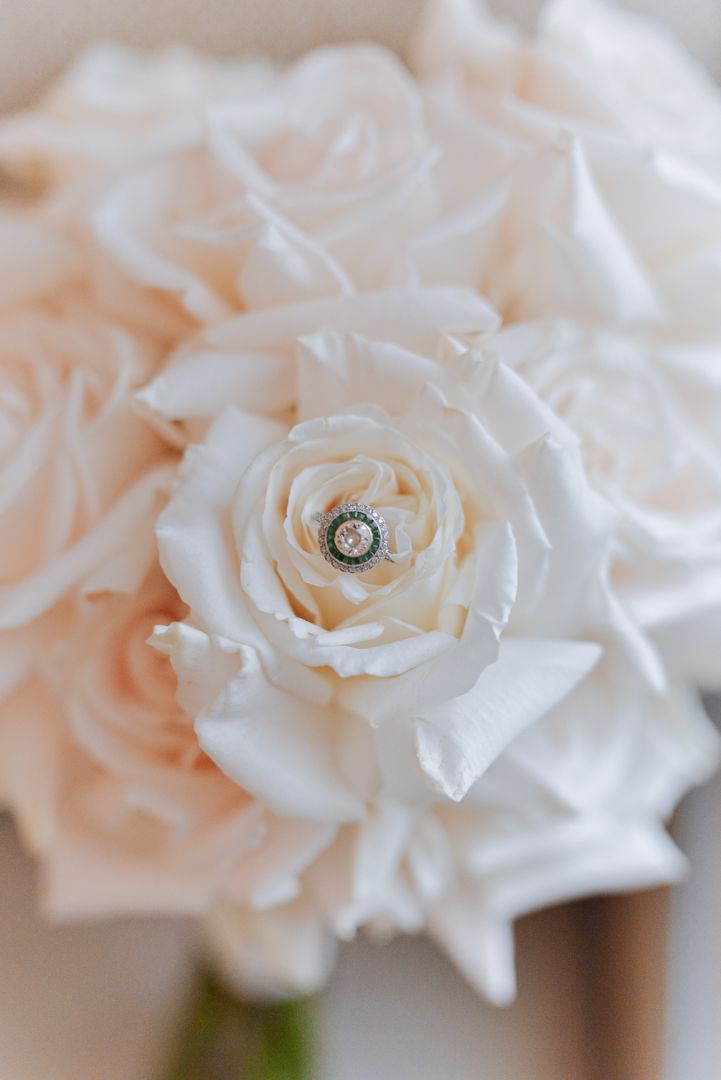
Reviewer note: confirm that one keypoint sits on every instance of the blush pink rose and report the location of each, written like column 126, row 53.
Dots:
column 78, row 468
column 127, row 815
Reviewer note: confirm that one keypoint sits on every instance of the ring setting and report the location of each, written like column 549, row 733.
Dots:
column 353, row 537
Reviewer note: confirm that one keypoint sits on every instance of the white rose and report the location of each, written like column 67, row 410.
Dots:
column 411, row 679
column 550, row 203
column 647, row 417
column 573, row 806
column 334, row 698
column 589, row 62
column 285, row 951
column 276, row 204
column 636, row 68
column 252, row 360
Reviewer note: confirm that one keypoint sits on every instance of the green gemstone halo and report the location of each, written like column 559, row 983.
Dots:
column 353, row 537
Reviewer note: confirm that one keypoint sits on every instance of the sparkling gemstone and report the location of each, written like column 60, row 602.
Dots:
column 353, row 538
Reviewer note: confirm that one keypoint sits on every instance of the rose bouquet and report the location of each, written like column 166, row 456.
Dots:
column 360, row 484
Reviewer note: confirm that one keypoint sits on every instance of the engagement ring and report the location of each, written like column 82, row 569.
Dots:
column 353, row 537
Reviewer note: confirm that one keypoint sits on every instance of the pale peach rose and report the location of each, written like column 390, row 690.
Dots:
column 107, row 783
column 310, row 190
column 98, row 763
column 124, row 809
column 36, row 259
column 555, row 199
column 78, row 468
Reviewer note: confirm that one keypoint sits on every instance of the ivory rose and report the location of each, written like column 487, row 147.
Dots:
column 590, row 63
column 637, row 68
column 394, row 704
column 554, row 199
column 276, row 203
column 572, row 807
column 412, row 678
column 252, row 359
column 647, row 417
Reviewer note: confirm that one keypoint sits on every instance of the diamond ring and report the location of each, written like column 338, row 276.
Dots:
column 353, row 537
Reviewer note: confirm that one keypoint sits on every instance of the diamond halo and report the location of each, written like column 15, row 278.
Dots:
column 353, row 537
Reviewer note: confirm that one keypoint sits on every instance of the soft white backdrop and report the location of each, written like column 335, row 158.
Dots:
column 101, row 1002
column 38, row 36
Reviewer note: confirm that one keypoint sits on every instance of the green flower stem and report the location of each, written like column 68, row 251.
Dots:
column 225, row 1038
column 280, row 1042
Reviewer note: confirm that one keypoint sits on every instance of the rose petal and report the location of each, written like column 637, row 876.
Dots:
column 277, row 747
column 457, row 741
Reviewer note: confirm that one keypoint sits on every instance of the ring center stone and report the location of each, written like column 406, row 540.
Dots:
column 353, row 538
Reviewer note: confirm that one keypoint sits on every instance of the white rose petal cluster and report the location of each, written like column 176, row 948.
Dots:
column 478, row 295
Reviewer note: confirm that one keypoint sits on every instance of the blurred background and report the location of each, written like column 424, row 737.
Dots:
column 37, row 37
column 607, row 992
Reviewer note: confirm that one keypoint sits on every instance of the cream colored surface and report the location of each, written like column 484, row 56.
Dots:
column 37, row 37
column 35, row 43
column 693, row 1033
column 100, row 1002
column 82, row 1002
column 402, row 1013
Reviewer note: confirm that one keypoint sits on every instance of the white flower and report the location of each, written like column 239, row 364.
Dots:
column 310, row 190
column 647, row 417
column 592, row 64
column 491, row 612
column 639, row 73
column 479, row 720
column 282, row 951
column 252, row 360
column 572, row 807
column 550, row 203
